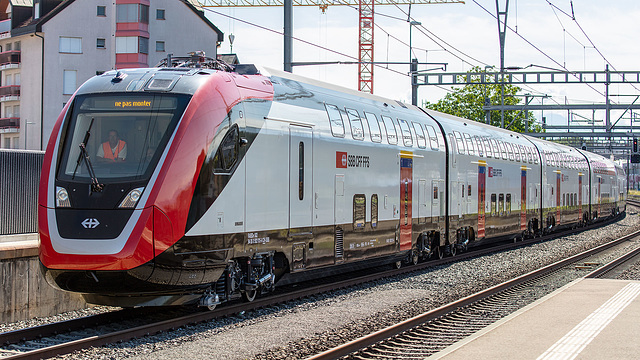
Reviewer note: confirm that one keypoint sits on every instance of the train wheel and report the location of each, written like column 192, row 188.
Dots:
column 415, row 257
column 250, row 295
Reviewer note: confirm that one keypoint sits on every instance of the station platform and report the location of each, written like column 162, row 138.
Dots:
column 18, row 246
column 586, row 319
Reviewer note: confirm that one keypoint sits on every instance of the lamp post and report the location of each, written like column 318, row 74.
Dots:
column 413, row 67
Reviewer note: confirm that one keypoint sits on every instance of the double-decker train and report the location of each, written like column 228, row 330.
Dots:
column 196, row 183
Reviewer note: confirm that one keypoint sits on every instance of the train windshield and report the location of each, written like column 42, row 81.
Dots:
column 118, row 137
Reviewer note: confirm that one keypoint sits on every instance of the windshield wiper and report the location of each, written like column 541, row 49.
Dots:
column 96, row 186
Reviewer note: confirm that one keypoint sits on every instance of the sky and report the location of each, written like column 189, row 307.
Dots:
column 468, row 36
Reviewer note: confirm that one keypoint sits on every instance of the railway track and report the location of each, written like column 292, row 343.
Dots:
column 428, row 333
column 62, row 338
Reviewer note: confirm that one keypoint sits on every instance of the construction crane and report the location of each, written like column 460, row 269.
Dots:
column 365, row 9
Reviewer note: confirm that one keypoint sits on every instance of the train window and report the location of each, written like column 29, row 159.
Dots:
column 359, row 211
column 487, row 147
column 462, row 188
column 433, row 139
column 227, row 153
column 471, row 146
column 503, row 149
column 469, row 191
column 335, row 118
column 459, row 142
column 407, row 139
column 523, row 153
column 501, row 204
column 435, row 192
column 509, row 151
column 374, row 127
column 422, row 141
column 516, row 152
column 357, row 131
column 535, row 156
column 494, row 208
column 392, row 135
column 508, row 205
column 374, row 210
column 496, row 149
column 301, row 170
column 479, row 145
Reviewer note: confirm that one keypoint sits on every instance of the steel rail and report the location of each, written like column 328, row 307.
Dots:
column 388, row 332
column 231, row 309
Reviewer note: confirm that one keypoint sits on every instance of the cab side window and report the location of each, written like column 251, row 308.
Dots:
column 228, row 151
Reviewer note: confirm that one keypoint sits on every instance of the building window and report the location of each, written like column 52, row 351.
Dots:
column 70, row 45
column 8, row 47
column 17, row 46
column 143, row 45
column 102, row 11
column 36, row 9
column 16, row 79
column 131, row 13
column 100, row 43
column 160, row 46
column 69, row 82
column 160, row 14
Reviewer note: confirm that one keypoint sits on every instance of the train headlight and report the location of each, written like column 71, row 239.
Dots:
column 62, row 197
column 131, row 199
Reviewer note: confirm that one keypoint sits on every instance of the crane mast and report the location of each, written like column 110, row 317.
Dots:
column 366, row 26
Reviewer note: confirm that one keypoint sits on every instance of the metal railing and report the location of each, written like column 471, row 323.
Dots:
column 19, row 183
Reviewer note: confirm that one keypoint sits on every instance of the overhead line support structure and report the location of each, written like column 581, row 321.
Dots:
column 366, row 26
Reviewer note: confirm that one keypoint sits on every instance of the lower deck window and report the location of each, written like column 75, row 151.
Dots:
column 359, row 211
column 374, row 210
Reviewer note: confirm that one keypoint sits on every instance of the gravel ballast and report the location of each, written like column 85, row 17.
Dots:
column 305, row 327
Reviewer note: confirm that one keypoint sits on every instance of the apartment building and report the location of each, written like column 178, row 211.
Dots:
column 48, row 48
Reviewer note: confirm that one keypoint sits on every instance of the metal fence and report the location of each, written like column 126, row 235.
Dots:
column 19, row 178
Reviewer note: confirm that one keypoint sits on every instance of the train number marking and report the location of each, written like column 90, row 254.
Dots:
column 252, row 238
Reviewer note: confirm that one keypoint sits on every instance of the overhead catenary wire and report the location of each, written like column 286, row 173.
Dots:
column 307, row 42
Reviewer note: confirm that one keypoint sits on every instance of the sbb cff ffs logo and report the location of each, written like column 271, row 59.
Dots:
column 344, row 160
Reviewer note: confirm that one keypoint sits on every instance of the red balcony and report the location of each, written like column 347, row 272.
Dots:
column 9, row 59
column 10, row 122
column 10, row 93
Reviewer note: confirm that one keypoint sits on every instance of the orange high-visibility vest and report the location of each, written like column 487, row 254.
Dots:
column 108, row 154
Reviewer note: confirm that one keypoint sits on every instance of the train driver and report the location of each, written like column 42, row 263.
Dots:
column 113, row 149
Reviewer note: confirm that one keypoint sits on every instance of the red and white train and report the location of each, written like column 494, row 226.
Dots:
column 180, row 185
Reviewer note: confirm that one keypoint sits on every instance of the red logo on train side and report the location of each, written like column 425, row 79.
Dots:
column 341, row 160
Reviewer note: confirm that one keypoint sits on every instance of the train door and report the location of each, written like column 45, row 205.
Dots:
column 300, row 179
column 406, row 178
column 423, row 193
column 482, row 171
column 523, row 198
column 435, row 200
column 339, row 217
column 558, row 197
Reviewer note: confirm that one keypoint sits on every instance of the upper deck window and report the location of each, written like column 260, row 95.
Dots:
column 422, row 141
column 392, row 135
column 433, row 139
column 357, row 131
column 479, row 145
column 471, row 147
column 459, row 142
column 406, row 133
column 335, row 119
column 374, row 127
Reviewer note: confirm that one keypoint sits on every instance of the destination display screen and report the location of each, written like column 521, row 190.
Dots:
column 119, row 102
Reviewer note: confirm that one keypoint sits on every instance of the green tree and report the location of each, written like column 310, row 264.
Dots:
column 468, row 102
